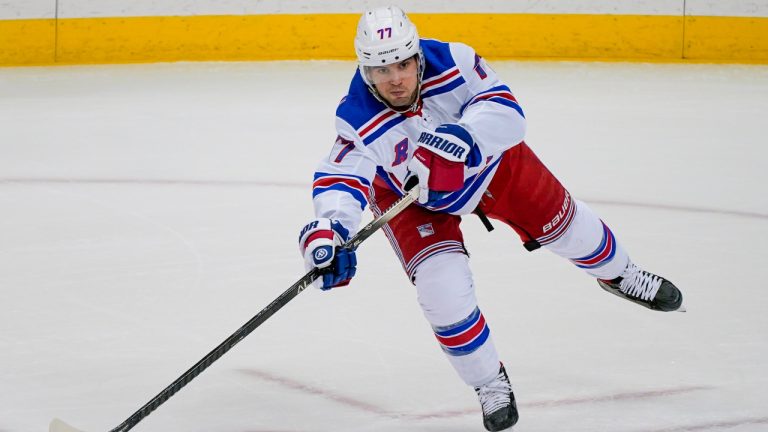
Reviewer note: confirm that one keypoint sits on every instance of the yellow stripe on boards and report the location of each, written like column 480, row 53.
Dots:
column 726, row 39
column 276, row 37
column 329, row 36
column 248, row 37
column 27, row 42
column 568, row 36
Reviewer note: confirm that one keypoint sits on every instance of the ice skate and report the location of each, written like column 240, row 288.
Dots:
column 498, row 402
column 645, row 289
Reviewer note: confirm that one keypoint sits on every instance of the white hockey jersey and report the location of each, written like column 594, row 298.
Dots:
column 374, row 140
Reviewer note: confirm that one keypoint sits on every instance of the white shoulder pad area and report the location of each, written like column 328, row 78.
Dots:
column 475, row 70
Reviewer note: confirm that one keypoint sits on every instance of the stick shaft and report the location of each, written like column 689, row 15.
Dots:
column 262, row 316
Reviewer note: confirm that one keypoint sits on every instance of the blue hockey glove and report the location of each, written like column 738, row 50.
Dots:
column 439, row 160
column 319, row 243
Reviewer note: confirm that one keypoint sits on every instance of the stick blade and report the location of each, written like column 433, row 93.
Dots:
column 59, row 426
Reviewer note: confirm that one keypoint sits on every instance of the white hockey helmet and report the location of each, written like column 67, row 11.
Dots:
column 385, row 36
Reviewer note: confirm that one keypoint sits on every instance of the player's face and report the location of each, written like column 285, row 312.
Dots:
column 397, row 82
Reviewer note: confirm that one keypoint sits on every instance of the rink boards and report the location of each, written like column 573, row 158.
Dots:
column 111, row 31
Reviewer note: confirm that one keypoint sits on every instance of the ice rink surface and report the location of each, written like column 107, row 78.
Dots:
column 148, row 211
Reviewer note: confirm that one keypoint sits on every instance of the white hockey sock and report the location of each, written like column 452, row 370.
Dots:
column 447, row 297
column 589, row 244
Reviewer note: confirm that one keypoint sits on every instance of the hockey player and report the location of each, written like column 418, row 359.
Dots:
column 436, row 111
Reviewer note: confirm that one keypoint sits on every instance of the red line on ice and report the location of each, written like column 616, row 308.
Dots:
column 375, row 409
column 252, row 183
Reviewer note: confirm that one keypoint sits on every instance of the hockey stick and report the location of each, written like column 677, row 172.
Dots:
column 295, row 289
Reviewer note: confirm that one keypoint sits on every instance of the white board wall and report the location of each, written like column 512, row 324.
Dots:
column 42, row 9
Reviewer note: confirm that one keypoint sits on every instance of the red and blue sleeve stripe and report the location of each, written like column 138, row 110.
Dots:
column 464, row 337
column 442, row 83
column 500, row 94
column 378, row 125
column 356, row 186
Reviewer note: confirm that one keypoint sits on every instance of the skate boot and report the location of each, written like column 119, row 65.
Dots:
column 645, row 289
column 498, row 402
